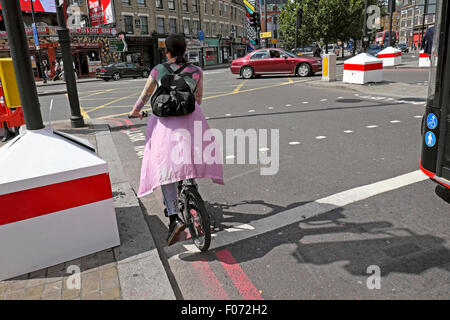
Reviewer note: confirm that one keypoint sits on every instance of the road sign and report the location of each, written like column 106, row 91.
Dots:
column 430, row 139
column 432, row 121
column 265, row 35
column 117, row 45
column 200, row 35
column 274, row 41
column 35, row 36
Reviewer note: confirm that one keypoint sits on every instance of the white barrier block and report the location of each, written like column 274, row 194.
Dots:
column 424, row 60
column 390, row 57
column 362, row 69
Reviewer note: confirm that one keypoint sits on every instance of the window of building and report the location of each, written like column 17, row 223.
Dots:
column 185, row 6
column 220, row 9
column 144, row 25
column 141, row 3
column 195, row 5
column 160, row 25
column 195, row 27
column 173, row 25
column 207, row 28
column 213, row 29
column 128, row 22
column 225, row 9
column 221, row 29
column 76, row 2
column 205, row 6
column 212, row 8
column 159, row 4
column 186, row 27
column 126, row 2
column 171, row 4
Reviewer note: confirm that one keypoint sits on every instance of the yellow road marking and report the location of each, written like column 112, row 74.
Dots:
column 290, row 80
column 236, row 90
column 97, row 93
column 111, row 102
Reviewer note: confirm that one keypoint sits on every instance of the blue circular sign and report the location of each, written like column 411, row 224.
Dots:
column 432, row 121
column 430, row 139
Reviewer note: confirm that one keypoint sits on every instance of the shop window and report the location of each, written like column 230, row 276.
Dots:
column 173, row 25
column 128, row 21
column 144, row 25
column 160, row 25
column 171, row 4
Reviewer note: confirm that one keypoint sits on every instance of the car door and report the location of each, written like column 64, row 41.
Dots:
column 120, row 68
column 133, row 70
column 260, row 61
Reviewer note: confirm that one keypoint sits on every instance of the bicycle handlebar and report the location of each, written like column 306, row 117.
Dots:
column 144, row 114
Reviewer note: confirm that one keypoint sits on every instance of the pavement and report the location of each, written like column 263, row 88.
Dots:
column 131, row 271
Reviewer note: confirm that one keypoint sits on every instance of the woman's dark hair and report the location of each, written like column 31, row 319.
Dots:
column 176, row 45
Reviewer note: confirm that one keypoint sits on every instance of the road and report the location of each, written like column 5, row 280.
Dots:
column 345, row 195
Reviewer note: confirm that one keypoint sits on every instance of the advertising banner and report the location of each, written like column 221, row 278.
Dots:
column 101, row 12
column 39, row 5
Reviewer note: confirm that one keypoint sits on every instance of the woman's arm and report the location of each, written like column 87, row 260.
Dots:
column 145, row 95
column 199, row 90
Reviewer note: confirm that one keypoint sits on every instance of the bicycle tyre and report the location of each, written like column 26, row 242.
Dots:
column 194, row 201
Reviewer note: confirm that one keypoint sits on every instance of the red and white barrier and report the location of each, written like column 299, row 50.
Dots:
column 390, row 56
column 424, row 60
column 362, row 69
column 56, row 202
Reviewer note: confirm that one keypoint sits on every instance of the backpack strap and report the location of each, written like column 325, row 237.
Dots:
column 167, row 66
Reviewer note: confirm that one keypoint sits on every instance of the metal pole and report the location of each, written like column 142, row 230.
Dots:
column 365, row 27
column 76, row 118
column 265, row 21
column 20, row 54
column 423, row 23
column 296, row 28
column 391, row 13
column 37, row 47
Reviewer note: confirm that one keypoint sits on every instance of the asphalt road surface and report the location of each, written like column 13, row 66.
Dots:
column 346, row 197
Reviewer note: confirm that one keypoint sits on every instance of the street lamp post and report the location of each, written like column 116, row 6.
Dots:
column 76, row 118
column 365, row 38
column 22, row 64
column 36, row 44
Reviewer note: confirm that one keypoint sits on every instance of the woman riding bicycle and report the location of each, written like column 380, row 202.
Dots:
column 166, row 135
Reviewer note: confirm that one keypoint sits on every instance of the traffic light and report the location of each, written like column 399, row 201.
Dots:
column 391, row 6
column 256, row 20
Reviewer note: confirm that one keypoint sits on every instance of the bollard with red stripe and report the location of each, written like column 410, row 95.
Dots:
column 362, row 69
column 424, row 60
column 56, row 205
column 390, row 56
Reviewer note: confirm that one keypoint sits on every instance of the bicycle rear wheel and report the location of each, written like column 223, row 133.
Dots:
column 197, row 219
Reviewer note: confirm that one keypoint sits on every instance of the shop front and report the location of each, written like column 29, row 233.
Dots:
column 140, row 50
column 211, row 52
column 225, row 51
column 195, row 50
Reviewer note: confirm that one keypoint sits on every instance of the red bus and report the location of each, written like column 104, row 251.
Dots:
column 382, row 37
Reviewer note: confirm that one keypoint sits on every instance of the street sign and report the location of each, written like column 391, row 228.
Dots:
column 35, row 36
column 265, row 35
column 432, row 121
column 274, row 41
column 117, row 45
column 200, row 35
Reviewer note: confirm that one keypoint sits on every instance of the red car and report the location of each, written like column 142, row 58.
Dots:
column 275, row 61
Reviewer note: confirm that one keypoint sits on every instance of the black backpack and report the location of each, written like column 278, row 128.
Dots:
column 174, row 96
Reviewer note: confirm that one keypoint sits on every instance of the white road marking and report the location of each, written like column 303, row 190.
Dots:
column 251, row 110
column 303, row 212
column 230, row 156
column 321, row 137
column 294, row 142
column 228, row 114
column 323, row 100
column 305, row 102
column 418, row 117
column 390, row 99
column 340, row 97
column 372, row 126
column 263, row 149
column 357, row 94
column 289, row 105
column 270, row 108
column 395, row 121
column 348, row 131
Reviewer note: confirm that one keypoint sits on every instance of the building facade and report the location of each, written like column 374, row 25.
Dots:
column 413, row 22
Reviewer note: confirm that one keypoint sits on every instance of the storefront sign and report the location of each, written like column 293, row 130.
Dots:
column 101, row 12
column 161, row 43
column 94, row 65
column 73, row 30
column 265, row 35
column 38, row 5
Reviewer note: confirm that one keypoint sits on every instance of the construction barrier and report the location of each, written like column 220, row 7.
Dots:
column 424, row 60
column 390, row 56
column 362, row 69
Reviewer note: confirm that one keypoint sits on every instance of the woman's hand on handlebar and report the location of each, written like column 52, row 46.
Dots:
column 135, row 114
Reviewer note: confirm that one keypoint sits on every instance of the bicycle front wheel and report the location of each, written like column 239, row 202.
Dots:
column 197, row 219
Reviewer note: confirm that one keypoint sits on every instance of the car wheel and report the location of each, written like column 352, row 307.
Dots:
column 145, row 74
column 247, row 72
column 304, row 70
column 116, row 76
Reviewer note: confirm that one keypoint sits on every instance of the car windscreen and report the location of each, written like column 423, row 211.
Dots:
column 290, row 54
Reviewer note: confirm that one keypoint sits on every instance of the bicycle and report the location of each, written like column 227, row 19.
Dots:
column 194, row 213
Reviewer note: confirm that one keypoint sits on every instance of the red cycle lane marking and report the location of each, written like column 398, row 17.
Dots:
column 237, row 275
column 210, row 281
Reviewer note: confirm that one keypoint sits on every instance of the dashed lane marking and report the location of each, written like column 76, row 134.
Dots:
column 395, row 121
column 372, row 126
column 321, row 137
column 348, row 131
column 292, row 143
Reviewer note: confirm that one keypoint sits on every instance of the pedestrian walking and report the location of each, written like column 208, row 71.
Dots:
column 427, row 41
column 57, row 69
column 317, row 51
column 46, row 69
column 167, row 135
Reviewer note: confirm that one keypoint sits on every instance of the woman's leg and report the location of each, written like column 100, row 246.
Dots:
column 169, row 192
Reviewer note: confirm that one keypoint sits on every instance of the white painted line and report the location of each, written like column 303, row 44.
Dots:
column 303, row 212
column 321, row 137
column 372, row 126
column 323, row 100
column 230, row 157
column 228, row 114
column 270, row 108
column 340, row 97
column 305, row 102
column 292, row 143
column 418, row 117
column 251, row 110
column 395, row 121
column 357, row 94
column 348, row 131
column 289, row 105
column 263, row 149
column 390, row 99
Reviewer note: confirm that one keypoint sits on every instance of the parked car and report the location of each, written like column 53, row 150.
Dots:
column 119, row 70
column 332, row 48
column 275, row 61
column 403, row 47
column 373, row 49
